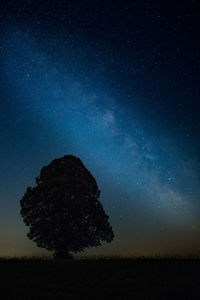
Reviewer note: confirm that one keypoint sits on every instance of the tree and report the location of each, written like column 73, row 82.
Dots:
column 63, row 211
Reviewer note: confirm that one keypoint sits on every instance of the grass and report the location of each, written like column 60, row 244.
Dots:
column 100, row 278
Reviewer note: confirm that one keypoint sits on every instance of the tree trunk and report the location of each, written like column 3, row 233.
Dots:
column 60, row 254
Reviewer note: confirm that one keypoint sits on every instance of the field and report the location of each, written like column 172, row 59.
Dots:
column 105, row 278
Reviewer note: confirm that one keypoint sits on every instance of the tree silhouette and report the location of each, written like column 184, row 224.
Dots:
column 63, row 211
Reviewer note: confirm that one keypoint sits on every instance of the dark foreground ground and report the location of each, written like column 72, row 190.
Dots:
column 100, row 279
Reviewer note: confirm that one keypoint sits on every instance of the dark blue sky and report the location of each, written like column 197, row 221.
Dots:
column 117, row 86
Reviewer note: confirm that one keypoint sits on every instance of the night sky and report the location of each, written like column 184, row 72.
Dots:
column 118, row 86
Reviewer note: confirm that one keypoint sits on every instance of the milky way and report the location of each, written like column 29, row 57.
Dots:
column 63, row 103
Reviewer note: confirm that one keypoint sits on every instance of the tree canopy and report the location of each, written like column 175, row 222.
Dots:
column 62, row 211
